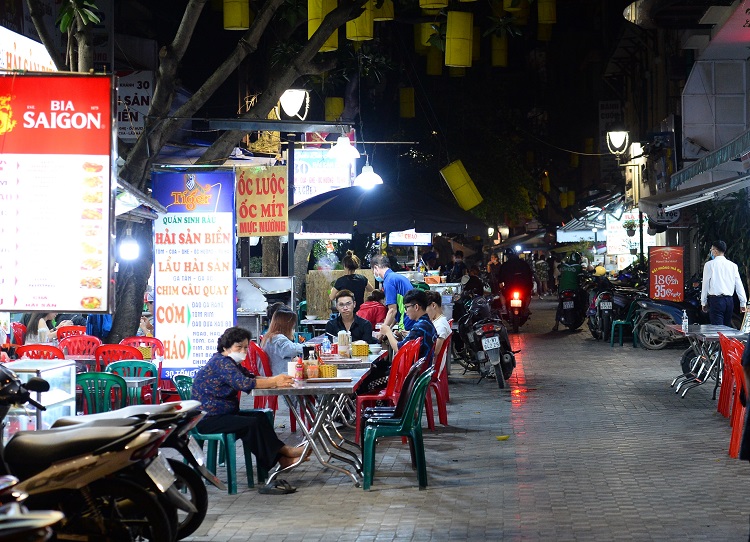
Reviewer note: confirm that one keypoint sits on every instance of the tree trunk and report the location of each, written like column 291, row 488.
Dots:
column 271, row 253
column 301, row 257
column 130, row 282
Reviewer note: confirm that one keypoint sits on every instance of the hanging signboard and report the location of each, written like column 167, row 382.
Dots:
column 56, row 140
column 666, row 273
column 194, row 266
column 134, row 92
column 262, row 201
column 410, row 238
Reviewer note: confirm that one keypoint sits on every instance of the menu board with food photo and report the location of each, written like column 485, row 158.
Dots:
column 55, row 193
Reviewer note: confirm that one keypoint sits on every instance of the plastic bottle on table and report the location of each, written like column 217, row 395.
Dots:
column 685, row 322
column 299, row 370
column 326, row 348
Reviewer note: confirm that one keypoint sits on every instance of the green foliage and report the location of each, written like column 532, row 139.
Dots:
column 630, row 225
column 72, row 9
column 727, row 219
column 255, row 264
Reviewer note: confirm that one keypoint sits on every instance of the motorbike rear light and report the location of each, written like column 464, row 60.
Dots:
column 516, row 295
column 486, row 328
column 606, row 296
column 152, row 449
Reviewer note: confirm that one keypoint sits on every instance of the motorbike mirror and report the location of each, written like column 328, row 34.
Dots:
column 37, row 384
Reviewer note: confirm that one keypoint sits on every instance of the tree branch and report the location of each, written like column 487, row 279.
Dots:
column 36, row 12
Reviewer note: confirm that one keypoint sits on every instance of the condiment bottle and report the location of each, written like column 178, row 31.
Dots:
column 299, row 370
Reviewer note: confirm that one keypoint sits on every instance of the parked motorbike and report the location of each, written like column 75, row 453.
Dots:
column 184, row 415
column 482, row 342
column 518, row 304
column 573, row 308
column 18, row 523
column 609, row 302
column 73, row 470
column 653, row 317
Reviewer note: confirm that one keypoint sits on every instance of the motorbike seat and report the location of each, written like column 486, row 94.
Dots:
column 133, row 411
column 30, row 452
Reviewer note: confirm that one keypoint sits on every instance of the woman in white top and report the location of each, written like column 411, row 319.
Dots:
column 435, row 312
column 41, row 328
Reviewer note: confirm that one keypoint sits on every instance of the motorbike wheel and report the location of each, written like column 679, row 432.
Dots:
column 649, row 339
column 514, row 322
column 130, row 513
column 507, row 365
column 593, row 327
column 191, row 484
column 606, row 323
column 687, row 359
column 572, row 320
column 462, row 355
column 499, row 377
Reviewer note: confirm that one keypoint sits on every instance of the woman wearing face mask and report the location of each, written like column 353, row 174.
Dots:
column 216, row 386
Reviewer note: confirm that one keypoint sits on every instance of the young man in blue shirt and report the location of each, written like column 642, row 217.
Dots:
column 415, row 305
column 395, row 287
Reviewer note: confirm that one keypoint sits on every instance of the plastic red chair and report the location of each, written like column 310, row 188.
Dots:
column 69, row 331
column 738, row 411
column 19, row 332
column 107, row 353
column 80, row 344
column 402, row 362
column 256, row 354
column 40, row 351
column 438, row 384
column 166, row 388
column 727, row 377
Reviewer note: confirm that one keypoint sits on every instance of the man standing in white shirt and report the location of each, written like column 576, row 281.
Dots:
column 721, row 279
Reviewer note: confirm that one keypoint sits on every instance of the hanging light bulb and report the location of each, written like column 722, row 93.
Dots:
column 343, row 150
column 291, row 102
column 129, row 249
column 368, row 178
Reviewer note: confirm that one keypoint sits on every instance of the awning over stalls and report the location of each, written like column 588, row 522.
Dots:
column 736, row 148
column 132, row 204
column 677, row 199
column 527, row 241
column 582, row 229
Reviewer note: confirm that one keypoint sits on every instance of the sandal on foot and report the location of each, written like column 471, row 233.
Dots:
column 277, row 487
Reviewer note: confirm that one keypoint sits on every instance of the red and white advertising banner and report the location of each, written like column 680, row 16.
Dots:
column 262, row 201
column 55, row 193
column 666, row 273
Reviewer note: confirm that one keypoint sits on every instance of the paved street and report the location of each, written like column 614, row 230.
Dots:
column 599, row 448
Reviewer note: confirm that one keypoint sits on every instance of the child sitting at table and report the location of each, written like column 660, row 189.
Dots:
column 373, row 309
column 278, row 342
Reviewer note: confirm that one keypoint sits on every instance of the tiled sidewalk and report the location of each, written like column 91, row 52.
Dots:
column 599, row 448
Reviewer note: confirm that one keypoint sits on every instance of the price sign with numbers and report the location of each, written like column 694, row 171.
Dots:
column 666, row 273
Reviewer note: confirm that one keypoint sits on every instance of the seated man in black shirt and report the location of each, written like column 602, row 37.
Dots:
column 360, row 328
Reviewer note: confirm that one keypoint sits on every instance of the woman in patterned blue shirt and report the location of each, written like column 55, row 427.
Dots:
column 216, row 386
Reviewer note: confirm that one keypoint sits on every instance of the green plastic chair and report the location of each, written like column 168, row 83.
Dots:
column 409, row 425
column 134, row 367
column 620, row 324
column 102, row 392
column 224, row 444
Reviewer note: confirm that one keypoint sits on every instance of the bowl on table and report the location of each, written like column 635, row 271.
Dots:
column 375, row 349
column 311, row 316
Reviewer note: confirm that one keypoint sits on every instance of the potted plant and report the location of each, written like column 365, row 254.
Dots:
column 255, row 266
column 630, row 226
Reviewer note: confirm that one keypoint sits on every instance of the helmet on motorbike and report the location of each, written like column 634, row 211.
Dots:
column 600, row 271
column 576, row 257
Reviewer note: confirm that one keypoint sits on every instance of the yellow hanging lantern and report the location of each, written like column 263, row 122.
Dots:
column 458, row 39
column 563, row 200
column 545, row 183
column 433, row 4
column 236, row 14
column 543, row 32
column 316, row 12
column 588, row 145
column 546, row 11
column 541, row 201
column 361, row 28
column 456, row 72
column 461, row 185
column 434, row 61
column 499, row 46
column 476, row 39
column 334, row 106
column 571, row 198
column 574, row 160
column 406, row 103
column 420, row 44
column 385, row 12
column 521, row 17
